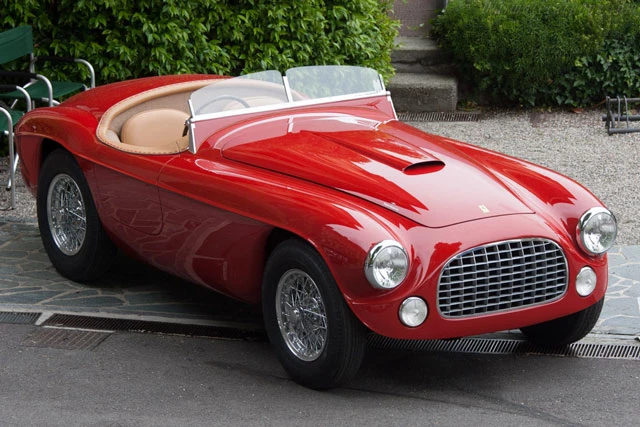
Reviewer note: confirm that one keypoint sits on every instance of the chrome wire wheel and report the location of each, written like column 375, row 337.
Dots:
column 315, row 335
column 301, row 315
column 66, row 214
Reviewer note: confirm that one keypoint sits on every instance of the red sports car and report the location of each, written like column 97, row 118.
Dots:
column 303, row 192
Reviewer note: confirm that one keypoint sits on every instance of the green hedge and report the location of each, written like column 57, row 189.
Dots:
column 125, row 39
column 544, row 52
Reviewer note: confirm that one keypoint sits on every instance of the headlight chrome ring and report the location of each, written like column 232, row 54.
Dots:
column 387, row 265
column 597, row 231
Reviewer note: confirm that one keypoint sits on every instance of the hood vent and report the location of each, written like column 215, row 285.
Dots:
column 424, row 167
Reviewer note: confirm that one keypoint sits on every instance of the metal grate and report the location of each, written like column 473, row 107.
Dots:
column 456, row 116
column 502, row 276
column 224, row 330
column 19, row 318
column 508, row 346
column 64, row 339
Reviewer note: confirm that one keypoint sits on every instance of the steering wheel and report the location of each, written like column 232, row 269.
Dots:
column 223, row 97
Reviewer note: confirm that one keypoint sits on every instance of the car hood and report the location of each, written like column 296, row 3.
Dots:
column 417, row 175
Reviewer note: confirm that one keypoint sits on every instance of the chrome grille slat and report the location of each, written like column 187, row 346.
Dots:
column 538, row 260
column 514, row 297
column 475, row 289
column 502, row 276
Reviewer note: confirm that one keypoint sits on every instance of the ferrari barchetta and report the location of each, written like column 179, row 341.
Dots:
column 304, row 193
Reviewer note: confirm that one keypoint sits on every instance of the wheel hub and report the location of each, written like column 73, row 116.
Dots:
column 66, row 214
column 301, row 315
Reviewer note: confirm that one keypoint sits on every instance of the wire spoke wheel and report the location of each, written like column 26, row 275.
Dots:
column 301, row 315
column 316, row 337
column 66, row 214
column 70, row 228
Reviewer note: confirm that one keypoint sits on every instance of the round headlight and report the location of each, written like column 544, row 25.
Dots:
column 597, row 231
column 386, row 265
column 586, row 281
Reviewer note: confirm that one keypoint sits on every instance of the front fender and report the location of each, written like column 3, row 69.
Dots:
column 558, row 198
column 255, row 202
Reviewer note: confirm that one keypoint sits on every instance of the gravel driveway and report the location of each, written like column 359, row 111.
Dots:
column 576, row 145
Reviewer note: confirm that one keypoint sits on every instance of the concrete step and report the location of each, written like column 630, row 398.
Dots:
column 417, row 50
column 420, row 92
column 416, row 68
column 424, row 79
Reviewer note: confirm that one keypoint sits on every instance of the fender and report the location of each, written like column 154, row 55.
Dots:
column 69, row 128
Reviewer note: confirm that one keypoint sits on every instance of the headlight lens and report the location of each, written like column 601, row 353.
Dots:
column 413, row 312
column 386, row 265
column 586, row 281
column 597, row 231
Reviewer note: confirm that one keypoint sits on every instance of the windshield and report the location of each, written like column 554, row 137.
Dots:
column 269, row 88
column 264, row 88
column 333, row 80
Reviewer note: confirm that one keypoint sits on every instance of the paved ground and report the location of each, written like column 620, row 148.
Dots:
column 29, row 283
column 140, row 380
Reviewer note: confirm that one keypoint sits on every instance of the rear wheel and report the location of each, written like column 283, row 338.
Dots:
column 565, row 330
column 71, row 232
column 316, row 337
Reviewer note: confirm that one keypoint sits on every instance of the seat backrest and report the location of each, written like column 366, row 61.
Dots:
column 160, row 129
column 15, row 43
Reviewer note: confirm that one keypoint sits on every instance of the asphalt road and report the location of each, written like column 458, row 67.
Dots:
column 159, row 380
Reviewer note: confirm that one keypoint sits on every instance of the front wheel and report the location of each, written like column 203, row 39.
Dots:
column 70, row 228
column 565, row 330
column 316, row 337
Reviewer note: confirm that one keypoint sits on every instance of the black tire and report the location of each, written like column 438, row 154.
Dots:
column 339, row 358
column 76, row 254
column 565, row 330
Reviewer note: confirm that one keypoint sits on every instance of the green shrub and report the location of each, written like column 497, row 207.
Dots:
column 615, row 71
column 125, row 39
column 541, row 52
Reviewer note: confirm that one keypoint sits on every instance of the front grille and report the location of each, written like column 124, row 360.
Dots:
column 502, row 276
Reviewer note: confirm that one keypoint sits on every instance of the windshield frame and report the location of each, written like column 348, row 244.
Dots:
column 293, row 100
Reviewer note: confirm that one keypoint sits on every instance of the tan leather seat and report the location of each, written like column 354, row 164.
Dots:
column 156, row 130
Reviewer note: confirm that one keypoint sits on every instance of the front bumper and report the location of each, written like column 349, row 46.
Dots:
column 380, row 314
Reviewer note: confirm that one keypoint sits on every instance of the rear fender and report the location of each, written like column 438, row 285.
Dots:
column 45, row 129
